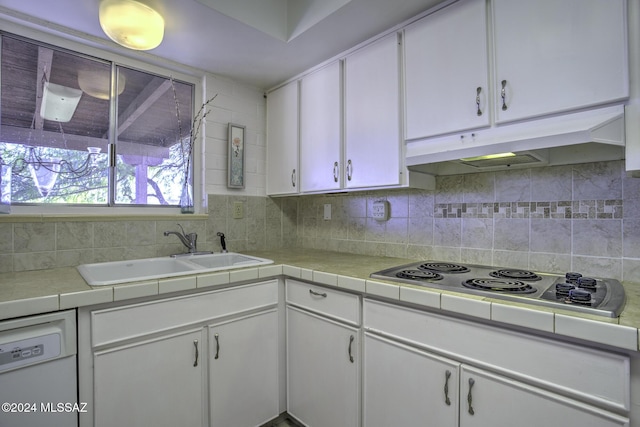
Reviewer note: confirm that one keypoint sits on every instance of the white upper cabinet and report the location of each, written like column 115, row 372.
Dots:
column 373, row 145
column 553, row 56
column 282, row 140
column 321, row 129
column 446, row 71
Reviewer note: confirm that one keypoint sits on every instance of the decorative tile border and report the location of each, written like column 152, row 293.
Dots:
column 582, row 209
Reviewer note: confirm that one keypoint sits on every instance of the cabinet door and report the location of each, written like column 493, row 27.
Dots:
column 492, row 400
column 282, row 140
column 158, row 382
column 243, row 365
column 322, row 371
column 446, row 71
column 558, row 55
column 421, row 389
column 320, row 129
column 372, row 115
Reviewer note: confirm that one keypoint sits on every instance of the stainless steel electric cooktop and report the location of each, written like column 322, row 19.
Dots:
column 573, row 291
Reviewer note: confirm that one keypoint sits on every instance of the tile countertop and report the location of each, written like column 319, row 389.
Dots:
column 40, row 291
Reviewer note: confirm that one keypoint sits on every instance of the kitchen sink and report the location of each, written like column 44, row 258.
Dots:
column 226, row 260
column 115, row 272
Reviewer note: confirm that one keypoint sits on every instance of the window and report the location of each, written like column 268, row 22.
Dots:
column 62, row 114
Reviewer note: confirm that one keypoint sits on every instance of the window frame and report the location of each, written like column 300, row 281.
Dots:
column 102, row 50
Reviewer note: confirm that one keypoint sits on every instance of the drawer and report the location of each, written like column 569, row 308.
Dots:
column 588, row 374
column 329, row 302
column 130, row 321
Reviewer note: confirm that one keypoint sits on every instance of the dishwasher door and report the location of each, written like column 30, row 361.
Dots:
column 38, row 371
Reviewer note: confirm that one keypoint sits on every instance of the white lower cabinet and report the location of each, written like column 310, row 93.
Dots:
column 323, row 355
column 405, row 386
column 209, row 359
column 494, row 400
column 322, row 371
column 243, row 379
column 154, row 382
column 489, row 377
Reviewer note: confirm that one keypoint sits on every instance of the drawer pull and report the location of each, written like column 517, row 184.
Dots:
column 447, row 376
column 351, row 338
column 317, row 294
column 478, row 92
column 195, row 344
column 503, row 95
column 217, row 346
column 470, row 396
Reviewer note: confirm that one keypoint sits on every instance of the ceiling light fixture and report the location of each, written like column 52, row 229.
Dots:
column 131, row 24
column 97, row 83
column 59, row 102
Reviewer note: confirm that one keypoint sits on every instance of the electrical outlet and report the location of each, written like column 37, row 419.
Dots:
column 380, row 210
column 238, row 210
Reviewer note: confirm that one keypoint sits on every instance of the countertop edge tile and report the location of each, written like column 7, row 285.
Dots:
column 521, row 316
column 136, row 290
column 352, row 283
column 424, row 297
column 213, row 279
column 591, row 330
column 88, row 297
column 381, row 289
column 29, row 306
column 323, row 278
column 290, row 270
column 306, row 274
column 242, row 275
column 270, row 271
column 176, row 284
column 465, row 305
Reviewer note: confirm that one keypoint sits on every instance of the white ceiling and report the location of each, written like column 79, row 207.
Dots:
column 260, row 52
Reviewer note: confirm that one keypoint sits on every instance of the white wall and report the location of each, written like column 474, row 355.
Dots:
column 241, row 105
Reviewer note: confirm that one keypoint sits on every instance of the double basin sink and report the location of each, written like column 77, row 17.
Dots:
column 115, row 272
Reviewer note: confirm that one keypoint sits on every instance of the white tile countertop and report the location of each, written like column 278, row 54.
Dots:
column 40, row 291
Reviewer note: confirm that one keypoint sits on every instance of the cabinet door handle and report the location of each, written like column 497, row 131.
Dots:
column 195, row 344
column 349, row 170
column 447, row 376
column 503, row 95
column 351, row 338
column 217, row 346
column 478, row 91
column 335, row 172
column 317, row 294
column 293, row 178
column 470, row 396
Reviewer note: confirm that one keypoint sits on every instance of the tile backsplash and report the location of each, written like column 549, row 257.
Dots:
column 582, row 217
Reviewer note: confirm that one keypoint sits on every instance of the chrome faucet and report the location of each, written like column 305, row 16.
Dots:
column 189, row 240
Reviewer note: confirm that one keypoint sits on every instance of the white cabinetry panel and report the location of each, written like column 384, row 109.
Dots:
column 282, row 140
column 243, row 381
column 556, row 56
column 323, row 371
column 321, row 129
column 157, row 382
column 492, row 400
column 372, row 115
column 446, row 71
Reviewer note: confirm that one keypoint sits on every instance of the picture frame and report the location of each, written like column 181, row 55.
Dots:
column 236, row 147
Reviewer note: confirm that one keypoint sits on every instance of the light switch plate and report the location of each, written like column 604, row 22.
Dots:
column 380, row 210
column 327, row 211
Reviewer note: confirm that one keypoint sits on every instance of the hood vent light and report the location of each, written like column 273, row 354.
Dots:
column 503, row 159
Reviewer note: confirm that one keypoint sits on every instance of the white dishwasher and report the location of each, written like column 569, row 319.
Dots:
column 38, row 371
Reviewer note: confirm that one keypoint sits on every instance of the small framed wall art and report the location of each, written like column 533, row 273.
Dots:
column 236, row 156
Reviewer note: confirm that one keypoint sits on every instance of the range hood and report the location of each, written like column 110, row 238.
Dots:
column 589, row 136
